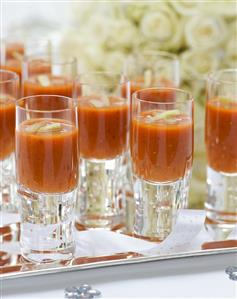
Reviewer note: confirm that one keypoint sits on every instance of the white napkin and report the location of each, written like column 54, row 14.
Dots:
column 103, row 242
column 189, row 224
column 183, row 238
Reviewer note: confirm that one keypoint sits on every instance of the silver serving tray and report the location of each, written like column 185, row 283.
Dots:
column 14, row 266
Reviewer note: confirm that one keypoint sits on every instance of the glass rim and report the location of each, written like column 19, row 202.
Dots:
column 114, row 74
column 17, row 103
column 15, row 77
column 189, row 99
column 215, row 76
column 53, row 57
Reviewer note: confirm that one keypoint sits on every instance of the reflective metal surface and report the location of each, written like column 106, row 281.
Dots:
column 13, row 265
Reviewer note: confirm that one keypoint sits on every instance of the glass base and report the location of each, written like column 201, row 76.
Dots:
column 101, row 193
column 221, row 202
column 157, row 205
column 8, row 197
column 46, row 226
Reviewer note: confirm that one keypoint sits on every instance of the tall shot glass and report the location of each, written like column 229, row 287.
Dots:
column 221, row 146
column 103, row 121
column 161, row 144
column 144, row 70
column 47, row 176
column 9, row 89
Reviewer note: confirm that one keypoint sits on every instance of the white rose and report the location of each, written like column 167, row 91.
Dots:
column 205, row 31
column 97, row 28
column 196, row 63
column 186, row 8
column 123, row 34
column 95, row 57
column 89, row 52
column 114, row 61
column 162, row 27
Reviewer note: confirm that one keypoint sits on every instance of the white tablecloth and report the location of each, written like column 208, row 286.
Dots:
column 196, row 277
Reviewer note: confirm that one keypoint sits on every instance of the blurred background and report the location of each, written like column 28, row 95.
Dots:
column 103, row 34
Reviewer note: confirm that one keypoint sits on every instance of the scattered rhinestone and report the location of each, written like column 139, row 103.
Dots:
column 84, row 291
column 232, row 272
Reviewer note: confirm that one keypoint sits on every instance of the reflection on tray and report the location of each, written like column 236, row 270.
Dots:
column 95, row 259
column 10, row 263
column 219, row 244
column 10, row 233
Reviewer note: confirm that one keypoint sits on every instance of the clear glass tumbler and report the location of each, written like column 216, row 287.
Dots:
column 221, row 146
column 103, row 119
column 161, row 143
column 47, row 176
column 9, row 89
column 148, row 69
column 48, row 74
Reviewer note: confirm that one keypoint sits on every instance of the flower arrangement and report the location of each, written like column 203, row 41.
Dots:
column 202, row 33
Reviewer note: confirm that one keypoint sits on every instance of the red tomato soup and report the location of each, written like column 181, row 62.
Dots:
column 221, row 135
column 48, row 84
column 47, row 155
column 161, row 148
column 103, row 127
